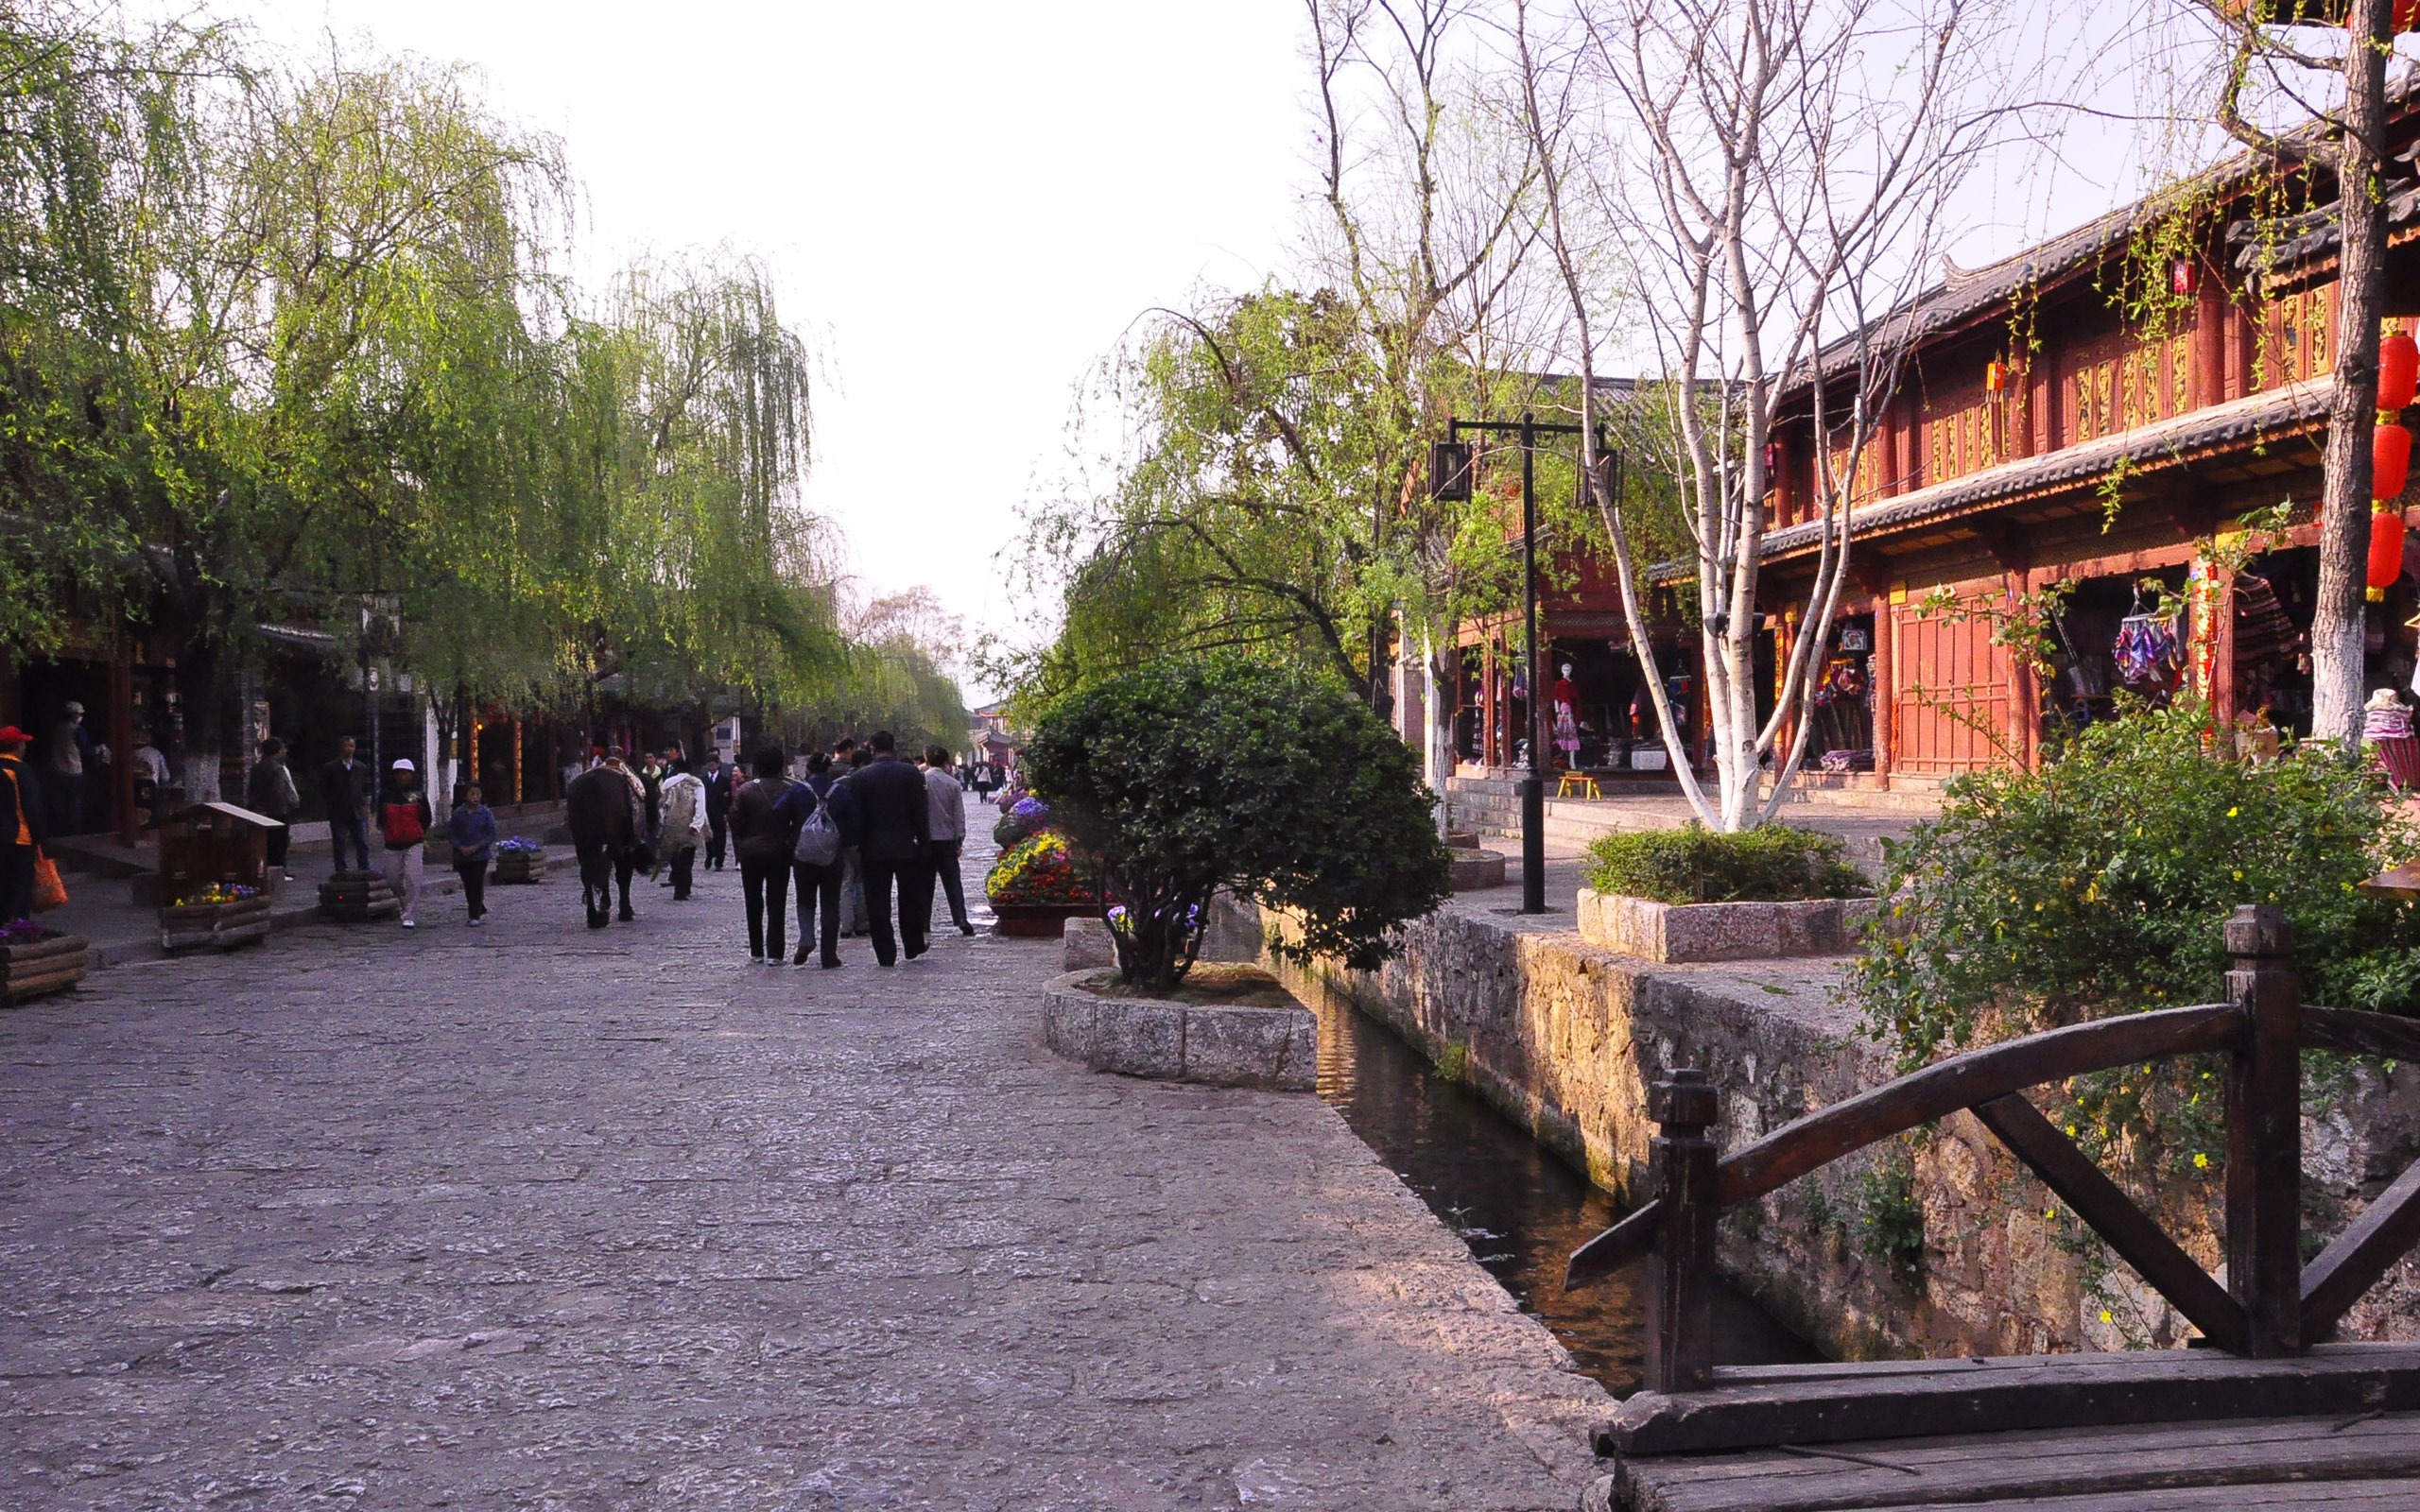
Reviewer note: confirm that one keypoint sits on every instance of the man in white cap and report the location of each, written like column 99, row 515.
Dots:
column 403, row 823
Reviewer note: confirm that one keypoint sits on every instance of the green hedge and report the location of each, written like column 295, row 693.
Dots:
column 1695, row 864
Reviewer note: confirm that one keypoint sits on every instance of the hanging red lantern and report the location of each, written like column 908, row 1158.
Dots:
column 2398, row 366
column 2403, row 16
column 2386, row 552
column 2390, row 461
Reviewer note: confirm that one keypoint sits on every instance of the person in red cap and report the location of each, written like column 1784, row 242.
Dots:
column 21, row 821
column 403, row 823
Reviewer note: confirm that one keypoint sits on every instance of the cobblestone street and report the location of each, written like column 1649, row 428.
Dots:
column 534, row 1217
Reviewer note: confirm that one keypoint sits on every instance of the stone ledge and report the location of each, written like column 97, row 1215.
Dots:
column 1475, row 869
column 1276, row 1049
column 1680, row 933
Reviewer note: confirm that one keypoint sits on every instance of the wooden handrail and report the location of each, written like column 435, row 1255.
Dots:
column 2270, row 1305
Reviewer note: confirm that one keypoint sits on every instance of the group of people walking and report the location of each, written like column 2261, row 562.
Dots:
column 861, row 829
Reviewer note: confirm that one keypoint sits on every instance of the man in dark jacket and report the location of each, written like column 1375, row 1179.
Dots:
column 717, row 777
column 344, row 792
column 21, row 823
column 602, row 810
column 893, row 832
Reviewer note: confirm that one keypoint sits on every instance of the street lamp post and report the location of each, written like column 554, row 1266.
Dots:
column 1449, row 479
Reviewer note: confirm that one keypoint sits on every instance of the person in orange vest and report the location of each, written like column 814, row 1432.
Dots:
column 21, row 821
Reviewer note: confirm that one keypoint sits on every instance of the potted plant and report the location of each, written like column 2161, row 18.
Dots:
column 219, row 914
column 520, row 860
column 1035, row 888
column 37, row 960
column 1179, row 781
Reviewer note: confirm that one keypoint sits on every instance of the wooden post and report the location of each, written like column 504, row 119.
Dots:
column 2264, row 1132
column 1679, row 1295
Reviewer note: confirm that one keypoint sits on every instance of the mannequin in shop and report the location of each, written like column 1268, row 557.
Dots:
column 1566, row 721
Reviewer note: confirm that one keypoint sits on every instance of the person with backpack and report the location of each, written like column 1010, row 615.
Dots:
column 762, row 838
column 403, row 824
column 814, row 812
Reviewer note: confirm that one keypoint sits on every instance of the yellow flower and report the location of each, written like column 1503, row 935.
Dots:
column 2201, row 1162
column 2104, row 1315
column 2232, row 813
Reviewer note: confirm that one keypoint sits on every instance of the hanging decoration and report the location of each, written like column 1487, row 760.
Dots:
column 2390, row 461
column 2398, row 367
column 2386, row 551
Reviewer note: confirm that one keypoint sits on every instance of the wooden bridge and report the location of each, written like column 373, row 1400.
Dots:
column 2269, row 1415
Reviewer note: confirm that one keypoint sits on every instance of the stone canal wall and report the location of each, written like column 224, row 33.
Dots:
column 1939, row 1244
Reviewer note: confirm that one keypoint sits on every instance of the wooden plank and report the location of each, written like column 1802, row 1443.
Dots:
column 2361, row 1034
column 2265, row 1132
column 2384, row 1234
column 1962, row 1081
column 2138, row 1240
column 1757, row 1409
column 1989, row 1468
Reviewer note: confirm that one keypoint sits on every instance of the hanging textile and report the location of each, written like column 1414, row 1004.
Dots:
column 2262, row 627
column 2148, row 648
column 2386, row 734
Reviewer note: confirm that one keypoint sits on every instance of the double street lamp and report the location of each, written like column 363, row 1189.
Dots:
column 1450, row 479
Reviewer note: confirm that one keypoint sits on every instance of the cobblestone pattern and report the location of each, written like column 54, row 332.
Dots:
column 534, row 1217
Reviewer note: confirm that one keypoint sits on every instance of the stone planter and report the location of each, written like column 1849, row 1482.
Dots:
column 1276, row 1049
column 43, row 967
column 1036, row 920
column 221, row 927
column 1680, row 933
column 516, row 867
column 356, row 898
column 1088, row 946
column 1474, row 870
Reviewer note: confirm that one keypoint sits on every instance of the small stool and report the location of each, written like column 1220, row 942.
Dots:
column 1585, row 784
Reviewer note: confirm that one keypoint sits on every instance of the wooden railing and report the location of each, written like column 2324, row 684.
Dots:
column 2272, row 1304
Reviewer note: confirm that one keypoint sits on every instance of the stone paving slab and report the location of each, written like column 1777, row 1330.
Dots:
column 530, row 1217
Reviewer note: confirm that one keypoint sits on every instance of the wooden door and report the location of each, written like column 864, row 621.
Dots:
column 1950, row 695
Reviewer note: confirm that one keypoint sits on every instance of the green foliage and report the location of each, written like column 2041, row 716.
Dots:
column 1889, row 1217
column 1695, row 864
column 2100, row 884
column 1454, row 1061
column 1181, row 779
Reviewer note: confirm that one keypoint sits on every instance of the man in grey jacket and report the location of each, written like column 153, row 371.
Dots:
column 948, row 820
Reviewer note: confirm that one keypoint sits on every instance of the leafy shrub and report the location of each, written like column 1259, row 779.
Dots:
column 1695, row 864
column 1038, row 869
column 1179, row 778
column 2101, row 884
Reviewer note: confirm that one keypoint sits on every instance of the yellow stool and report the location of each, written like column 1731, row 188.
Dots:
column 1585, row 784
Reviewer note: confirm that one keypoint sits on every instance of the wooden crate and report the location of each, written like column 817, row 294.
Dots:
column 356, row 898
column 40, row 967
column 220, row 926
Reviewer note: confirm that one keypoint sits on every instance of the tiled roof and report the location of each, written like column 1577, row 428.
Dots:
column 2279, row 411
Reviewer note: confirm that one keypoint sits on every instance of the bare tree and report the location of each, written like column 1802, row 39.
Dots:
column 1777, row 174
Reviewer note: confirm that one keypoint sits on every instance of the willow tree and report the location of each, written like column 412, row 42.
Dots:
column 691, row 434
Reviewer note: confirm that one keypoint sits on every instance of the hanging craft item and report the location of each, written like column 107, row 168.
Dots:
column 1855, row 638
column 2386, row 732
column 2147, row 649
column 2386, row 551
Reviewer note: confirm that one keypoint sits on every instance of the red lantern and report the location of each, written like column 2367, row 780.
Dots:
column 2386, row 552
column 2398, row 366
column 2403, row 16
column 2390, row 461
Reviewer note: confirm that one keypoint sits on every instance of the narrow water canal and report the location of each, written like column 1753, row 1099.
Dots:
column 1519, row 1207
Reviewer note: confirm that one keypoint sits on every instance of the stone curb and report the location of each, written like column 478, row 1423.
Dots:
column 1275, row 1049
column 282, row 915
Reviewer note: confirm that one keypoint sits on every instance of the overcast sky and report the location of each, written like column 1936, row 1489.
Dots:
column 964, row 203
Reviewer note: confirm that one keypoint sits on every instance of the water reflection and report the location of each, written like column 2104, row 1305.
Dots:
column 1519, row 1207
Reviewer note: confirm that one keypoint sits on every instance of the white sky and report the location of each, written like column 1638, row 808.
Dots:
column 964, row 203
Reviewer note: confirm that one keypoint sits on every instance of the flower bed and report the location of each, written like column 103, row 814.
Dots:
column 520, row 860
column 222, row 915
column 36, row 961
column 1035, row 888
